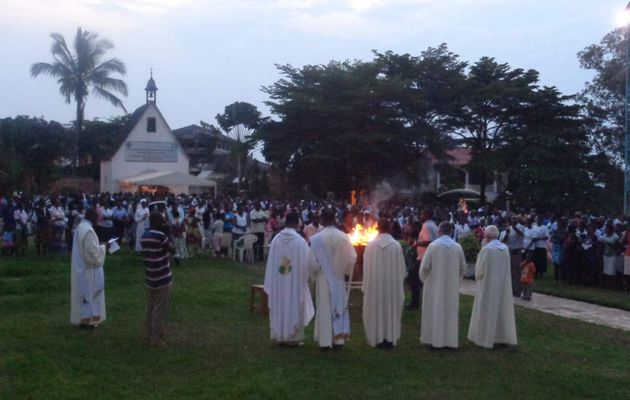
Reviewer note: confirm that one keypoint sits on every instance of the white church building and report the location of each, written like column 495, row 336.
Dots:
column 150, row 158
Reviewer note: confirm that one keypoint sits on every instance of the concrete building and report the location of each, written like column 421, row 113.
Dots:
column 149, row 157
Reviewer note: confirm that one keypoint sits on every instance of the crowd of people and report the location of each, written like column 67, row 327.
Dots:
column 583, row 249
column 417, row 244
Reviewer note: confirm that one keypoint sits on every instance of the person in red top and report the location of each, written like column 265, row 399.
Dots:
column 528, row 272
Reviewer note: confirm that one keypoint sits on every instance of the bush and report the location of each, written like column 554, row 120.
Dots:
column 471, row 248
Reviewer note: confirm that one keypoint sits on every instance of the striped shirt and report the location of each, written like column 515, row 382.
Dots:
column 157, row 270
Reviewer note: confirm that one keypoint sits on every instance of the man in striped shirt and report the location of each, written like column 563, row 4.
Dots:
column 155, row 248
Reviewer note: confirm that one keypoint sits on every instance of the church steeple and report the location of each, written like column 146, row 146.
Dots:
column 151, row 89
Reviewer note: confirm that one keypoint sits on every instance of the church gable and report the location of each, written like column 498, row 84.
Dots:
column 150, row 139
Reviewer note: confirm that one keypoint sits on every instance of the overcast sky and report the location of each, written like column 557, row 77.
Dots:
column 207, row 54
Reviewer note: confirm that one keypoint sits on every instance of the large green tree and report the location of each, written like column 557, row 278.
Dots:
column 348, row 125
column 603, row 97
column 80, row 70
column 31, row 150
column 240, row 121
column 547, row 155
column 495, row 96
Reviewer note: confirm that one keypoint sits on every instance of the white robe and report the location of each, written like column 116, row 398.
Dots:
column 441, row 270
column 87, row 281
column 141, row 217
column 286, row 285
column 343, row 257
column 493, row 310
column 383, row 289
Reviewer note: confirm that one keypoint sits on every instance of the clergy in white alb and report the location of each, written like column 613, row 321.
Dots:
column 441, row 270
column 141, row 218
column 383, row 291
column 493, row 310
column 87, row 281
column 286, row 284
column 331, row 259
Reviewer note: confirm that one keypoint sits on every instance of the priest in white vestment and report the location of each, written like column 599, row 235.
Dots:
column 441, row 270
column 87, row 281
column 493, row 310
column 384, row 274
column 331, row 259
column 286, row 285
column 141, row 217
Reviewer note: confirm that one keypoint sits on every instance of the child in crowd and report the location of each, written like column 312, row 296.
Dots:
column 528, row 272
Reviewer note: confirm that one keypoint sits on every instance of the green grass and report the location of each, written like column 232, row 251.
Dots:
column 218, row 350
column 604, row 297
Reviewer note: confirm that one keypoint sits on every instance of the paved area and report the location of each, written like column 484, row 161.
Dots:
column 566, row 308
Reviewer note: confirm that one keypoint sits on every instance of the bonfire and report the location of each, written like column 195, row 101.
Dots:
column 361, row 236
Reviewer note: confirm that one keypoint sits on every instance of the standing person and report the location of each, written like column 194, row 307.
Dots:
column 119, row 215
column 610, row 240
column 241, row 227
column 158, row 279
column 383, row 288
column 541, row 235
column 107, row 222
column 193, row 233
column 558, row 238
column 141, row 218
column 441, row 270
column 512, row 237
column 258, row 218
column 217, row 234
column 528, row 274
column 313, row 228
column 286, row 285
column 331, row 259
column 87, row 283
column 178, row 232
column 626, row 259
column 492, row 318
column 428, row 234
column 42, row 230
column 20, row 237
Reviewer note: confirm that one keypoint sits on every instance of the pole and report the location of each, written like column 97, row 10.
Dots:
column 626, row 127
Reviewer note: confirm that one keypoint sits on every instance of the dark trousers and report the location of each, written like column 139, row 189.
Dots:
column 540, row 260
column 158, row 304
column 259, row 246
column 413, row 280
column 515, row 267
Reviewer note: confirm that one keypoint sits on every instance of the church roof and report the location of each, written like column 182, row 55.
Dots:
column 190, row 132
column 151, row 87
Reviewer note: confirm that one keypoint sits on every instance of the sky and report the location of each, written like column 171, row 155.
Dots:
column 207, row 54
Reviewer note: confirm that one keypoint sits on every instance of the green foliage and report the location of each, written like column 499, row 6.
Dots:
column 30, row 148
column 471, row 248
column 348, row 125
column 99, row 139
column 81, row 71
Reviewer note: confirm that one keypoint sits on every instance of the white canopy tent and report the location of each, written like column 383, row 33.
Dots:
column 175, row 181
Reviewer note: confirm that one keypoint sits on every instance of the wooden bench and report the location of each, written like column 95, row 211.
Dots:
column 263, row 307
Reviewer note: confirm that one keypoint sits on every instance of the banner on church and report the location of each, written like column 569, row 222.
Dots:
column 163, row 152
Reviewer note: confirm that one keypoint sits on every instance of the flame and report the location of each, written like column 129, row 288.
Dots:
column 360, row 236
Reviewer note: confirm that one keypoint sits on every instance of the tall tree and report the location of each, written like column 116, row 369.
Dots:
column 495, row 96
column 604, row 96
column 239, row 121
column 31, row 149
column 547, row 156
column 81, row 71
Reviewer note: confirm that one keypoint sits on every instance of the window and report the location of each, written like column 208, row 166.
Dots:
column 150, row 124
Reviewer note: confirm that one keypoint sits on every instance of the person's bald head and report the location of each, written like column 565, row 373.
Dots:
column 492, row 233
column 383, row 225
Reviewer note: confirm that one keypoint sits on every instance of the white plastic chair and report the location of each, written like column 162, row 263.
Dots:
column 245, row 244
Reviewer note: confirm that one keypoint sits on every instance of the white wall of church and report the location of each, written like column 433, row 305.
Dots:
column 120, row 169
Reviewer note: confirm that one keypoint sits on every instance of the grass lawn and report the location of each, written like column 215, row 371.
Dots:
column 218, row 350
column 605, row 297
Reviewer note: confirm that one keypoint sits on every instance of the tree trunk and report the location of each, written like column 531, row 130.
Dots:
column 238, row 173
column 79, row 127
column 482, row 186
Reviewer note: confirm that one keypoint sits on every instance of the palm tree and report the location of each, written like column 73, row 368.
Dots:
column 83, row 72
